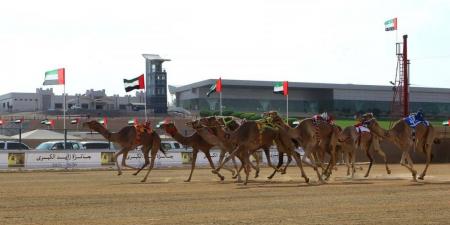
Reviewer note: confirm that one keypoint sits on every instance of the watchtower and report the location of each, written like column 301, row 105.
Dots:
column 156, row 83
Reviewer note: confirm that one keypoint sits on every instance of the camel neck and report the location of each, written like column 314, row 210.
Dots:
column 104, row 132
column 179, row 137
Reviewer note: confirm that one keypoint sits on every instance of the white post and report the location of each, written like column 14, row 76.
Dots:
column 145, row 103
column 64, row 106
column 220, row 102
column 287, row 109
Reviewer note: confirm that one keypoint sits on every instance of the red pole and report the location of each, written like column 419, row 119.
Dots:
column 405, row 77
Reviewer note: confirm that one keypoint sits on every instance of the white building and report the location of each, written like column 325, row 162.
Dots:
column 45, row 100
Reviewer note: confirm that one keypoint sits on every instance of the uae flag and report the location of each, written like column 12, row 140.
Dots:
column 75, row 121
column 281, row 88
column 390, row 24
column 104, row 121
column 136, row 83
column 216, row 87
column 133, row 121
column 55, row 77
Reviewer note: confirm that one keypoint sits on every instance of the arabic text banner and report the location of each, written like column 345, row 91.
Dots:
column 62, row 160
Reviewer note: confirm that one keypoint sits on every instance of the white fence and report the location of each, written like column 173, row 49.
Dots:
column 33, row 159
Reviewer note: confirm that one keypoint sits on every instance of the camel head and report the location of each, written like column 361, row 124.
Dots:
column 169, row 127
column 273, row 115
column 93, row 125
column 195, row 124
column 373, row 126
column 211, row 122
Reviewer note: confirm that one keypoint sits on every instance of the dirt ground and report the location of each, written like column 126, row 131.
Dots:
column 102, row 197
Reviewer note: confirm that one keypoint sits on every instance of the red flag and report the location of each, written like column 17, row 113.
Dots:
column 219, row 85
column 285, row 88
column 1, row 122
column 105, row 121
column 52, row 123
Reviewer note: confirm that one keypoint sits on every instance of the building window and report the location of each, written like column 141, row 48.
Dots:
column 4, row 105
column 98, row 107
column 26, row 100
column 58, row 105
column 123, row 107
column 84, row 106
column 20, row 99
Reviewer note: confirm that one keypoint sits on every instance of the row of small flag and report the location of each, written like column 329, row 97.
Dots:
column 278, row 88
column 51, row 122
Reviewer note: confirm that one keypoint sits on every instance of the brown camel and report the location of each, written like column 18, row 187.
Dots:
column 351, row 139
column 208, row 134
column 251, row 136
column 195, row 141
column 401, row 134
column 126, row 138
column 315, row 138
column 232, row 123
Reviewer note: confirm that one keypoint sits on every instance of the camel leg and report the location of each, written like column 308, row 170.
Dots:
column 313, row 162
column 283, row 171
column 298, row 160
column 116, row 155
column 346, row 159
column 124, row 164
column 211, row 163
column 428, row 150
column 409, row 166
column 246, row 164
column 280, row 162
column 145, row 151
column 256, row 167
column 238, row 175
column 221, row 165
column 221, row 157
column 353, row 158
column 194, row 159
column 380, row 152
column 370, row 161
column 152, row 163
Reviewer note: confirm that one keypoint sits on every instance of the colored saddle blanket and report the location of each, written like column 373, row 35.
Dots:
column 415, row 119
column 361, row 128
column 142, row 128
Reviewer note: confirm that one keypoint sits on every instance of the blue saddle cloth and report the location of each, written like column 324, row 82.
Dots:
column 415, row 119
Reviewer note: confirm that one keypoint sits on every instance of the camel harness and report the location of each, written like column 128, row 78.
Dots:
column 142, row 128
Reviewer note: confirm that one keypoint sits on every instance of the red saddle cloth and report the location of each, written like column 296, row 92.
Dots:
column 142, row 128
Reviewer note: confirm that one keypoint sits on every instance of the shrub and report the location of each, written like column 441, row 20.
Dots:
column 227, row 113
column 205, row 113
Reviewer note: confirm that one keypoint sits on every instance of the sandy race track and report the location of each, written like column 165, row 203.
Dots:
column 102, row 197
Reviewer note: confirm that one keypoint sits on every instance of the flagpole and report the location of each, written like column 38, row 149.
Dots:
column 145, row 103
column 220, row 102
column 64, row 114
column 287, row 109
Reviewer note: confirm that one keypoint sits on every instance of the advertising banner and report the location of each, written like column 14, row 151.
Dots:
column 62, row 159
column 136, row 159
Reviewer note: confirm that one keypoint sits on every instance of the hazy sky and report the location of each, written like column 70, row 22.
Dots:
column 101, row 42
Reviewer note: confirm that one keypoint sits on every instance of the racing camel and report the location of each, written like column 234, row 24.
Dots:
column 316, row 138
column 356, row 137
column 129, row 138
column 195, row 141
column 405, row 138
column 208, row 134
column 251, row 136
